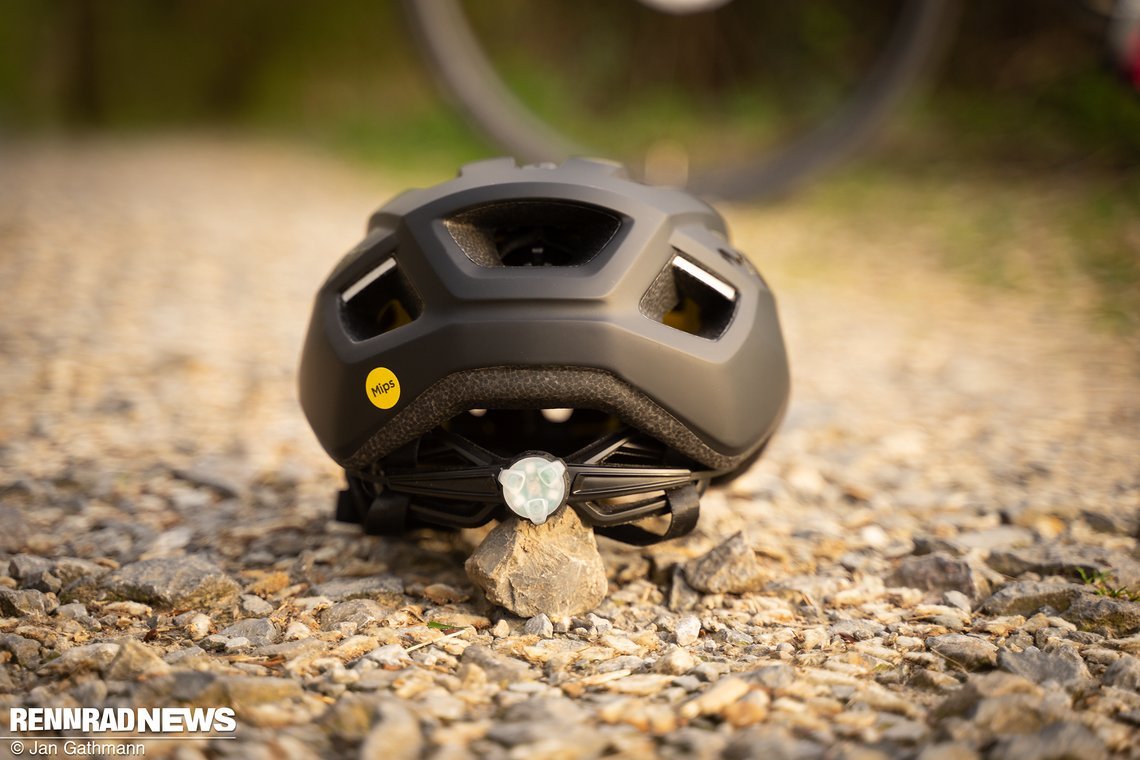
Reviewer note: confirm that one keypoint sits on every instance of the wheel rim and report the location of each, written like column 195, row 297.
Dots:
column 475, row 86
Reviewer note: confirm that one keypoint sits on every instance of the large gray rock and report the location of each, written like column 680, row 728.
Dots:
column 15, row 533
column 390, row 656
column 34, row 572
column 940, row 571
column 856, row 630
column 1000, row 537
column 1062, row 666
column 259, row 631
column 756, row 743
column 25, row 651
column 252, row 605
column 773, row 677
column 499, row 668
column 171, row 582
column 396, row 733
column 82, row 588
column 978, row 688
column 729, row 568
column 356, row 611
column 134, row 660
column 1001, row 703
column 1123, row 523
column 350, row 717
column 80, row 659
column 220, row 475
column 682, row 596
column 71, row 569
column 246, row 693
column 1124, row 673
column 1068, row 561
column 557, row 723
column 966, row 652
column 1027, row 597
column 26, row 603
column 370, row 587
column 1058, row 741
column 1104, row 614
column 553, row 568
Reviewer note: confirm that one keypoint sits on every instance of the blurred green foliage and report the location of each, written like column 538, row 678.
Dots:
column 343, row 74
column 1025, row 90
column 1024, row 79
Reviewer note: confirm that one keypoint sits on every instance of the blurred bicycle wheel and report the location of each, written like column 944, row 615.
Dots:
column 730, row 98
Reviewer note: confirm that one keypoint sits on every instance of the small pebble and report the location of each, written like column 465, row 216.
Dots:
column 297, row 631
column 390, row 656
column 716, row 698
column 237, row 644
column 958, row 599
column 687, row 630
column 255, row 606
column 676, row 661
column 539, row 625
column 198, row 626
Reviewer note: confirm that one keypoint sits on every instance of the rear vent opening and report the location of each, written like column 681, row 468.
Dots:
column 380, row 301
column 688, row 298
column 508, row 432
column 532, row 233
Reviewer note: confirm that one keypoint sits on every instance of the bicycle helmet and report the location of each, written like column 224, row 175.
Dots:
column 522, row 338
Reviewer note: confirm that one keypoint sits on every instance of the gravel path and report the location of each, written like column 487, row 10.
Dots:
column 934, row 560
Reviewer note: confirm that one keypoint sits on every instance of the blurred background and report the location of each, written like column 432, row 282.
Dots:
column 1017, row 90
column 960, row 301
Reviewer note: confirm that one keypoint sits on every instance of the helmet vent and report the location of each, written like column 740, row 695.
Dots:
column 691, row 299
column 379, row 302
column 509, row 432
column 541, row 233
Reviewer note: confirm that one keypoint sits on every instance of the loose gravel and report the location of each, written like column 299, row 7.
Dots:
column 935, row 558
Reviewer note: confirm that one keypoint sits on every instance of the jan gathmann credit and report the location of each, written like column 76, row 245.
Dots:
column 86, row 748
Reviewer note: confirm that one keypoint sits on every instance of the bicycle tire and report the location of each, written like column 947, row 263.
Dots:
column 464, row 72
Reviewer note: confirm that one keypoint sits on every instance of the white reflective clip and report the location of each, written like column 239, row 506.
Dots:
column 354, row 290
column 534, row 487
column 721, row 287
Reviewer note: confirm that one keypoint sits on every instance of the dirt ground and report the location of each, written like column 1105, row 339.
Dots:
column 947, row 519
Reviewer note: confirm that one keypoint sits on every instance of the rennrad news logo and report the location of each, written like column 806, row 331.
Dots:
column 111, row 730
column 123, row 720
